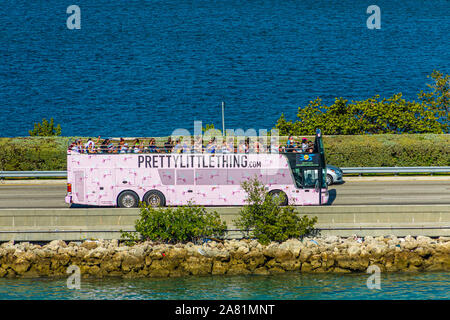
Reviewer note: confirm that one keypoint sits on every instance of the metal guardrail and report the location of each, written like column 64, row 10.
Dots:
column 350, row 170
column 360, row 170
column 33, row 174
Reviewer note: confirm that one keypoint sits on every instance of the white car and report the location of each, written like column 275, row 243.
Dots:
column 334, row 175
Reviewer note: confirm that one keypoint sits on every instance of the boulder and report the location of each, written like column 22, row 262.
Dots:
column 332, row 239
column 90, row 245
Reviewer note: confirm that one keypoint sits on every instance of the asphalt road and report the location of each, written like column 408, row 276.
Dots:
column 389, row 192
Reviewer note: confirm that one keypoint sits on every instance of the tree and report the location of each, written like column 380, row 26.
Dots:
column 375, row 115
column 438, row 100
column 45, row 129
column 265, row 219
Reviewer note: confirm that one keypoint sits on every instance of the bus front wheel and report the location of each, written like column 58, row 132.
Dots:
column 155, row 198
column 128, row 199
column 279, row 193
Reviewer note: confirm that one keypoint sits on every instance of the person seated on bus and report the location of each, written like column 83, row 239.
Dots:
column 168, row 146
column 178, row 147
column 274, row 147
column 256, row 147
column 186, row 147
column 198, row 145
column 225, row 148
column 111, row 148
column 304, row 144
column 74, row 147
column 138, row 146
column 124, row 148
column 89, row 146
column 230, row 145
column 309, row 180
column 211, row 146
column 296, row 147
column 152, row 146
column 290, row 144
column 104, row 146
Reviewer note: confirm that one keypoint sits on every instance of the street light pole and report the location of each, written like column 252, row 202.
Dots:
column 223, row 118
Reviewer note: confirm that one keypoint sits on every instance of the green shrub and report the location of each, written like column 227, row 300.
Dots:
column 45, row 129
column 179, row 224
column 264, row 219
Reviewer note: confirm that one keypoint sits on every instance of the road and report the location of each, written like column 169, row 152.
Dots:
column 387, row 192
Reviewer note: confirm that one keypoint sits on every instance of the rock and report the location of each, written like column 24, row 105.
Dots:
column 238, row 269
column 89, row 245
column 7, row 244
column 219, row 267
column 332, row 239
column 131, row 262
column 56, row 244
column 197, row 266
column 444, row 239
column 293, row 245
column 423, row 239
column 353, row 250
column 261, row 271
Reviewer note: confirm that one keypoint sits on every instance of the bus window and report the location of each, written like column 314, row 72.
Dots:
column 306, row 178
column 311, row 178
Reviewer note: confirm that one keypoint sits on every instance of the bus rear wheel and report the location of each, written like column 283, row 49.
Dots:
column 279, row 193
column 128, row 199
column 155, row 198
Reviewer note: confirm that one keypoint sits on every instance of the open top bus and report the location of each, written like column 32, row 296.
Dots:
column 210, row 179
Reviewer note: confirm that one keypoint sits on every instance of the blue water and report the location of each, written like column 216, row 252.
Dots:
column 144, row 68
column 292, row 286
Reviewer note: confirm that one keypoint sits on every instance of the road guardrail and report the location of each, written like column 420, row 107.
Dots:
column 349, row 170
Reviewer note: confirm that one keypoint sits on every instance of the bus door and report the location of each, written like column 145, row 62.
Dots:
column 311, row 185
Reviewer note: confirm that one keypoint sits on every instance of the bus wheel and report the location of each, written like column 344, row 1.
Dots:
column 128, row 199
column 155, row 198
column 278, row 193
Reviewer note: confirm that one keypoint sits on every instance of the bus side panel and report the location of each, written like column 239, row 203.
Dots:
column 78, row 191
column 100, row 187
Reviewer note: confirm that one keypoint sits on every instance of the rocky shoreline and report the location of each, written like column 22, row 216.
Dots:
column 148, row 259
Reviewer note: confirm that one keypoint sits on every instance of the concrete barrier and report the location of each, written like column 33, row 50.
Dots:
column 106, row 223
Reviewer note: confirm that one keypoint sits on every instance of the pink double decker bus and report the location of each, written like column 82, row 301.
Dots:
column 209, row 179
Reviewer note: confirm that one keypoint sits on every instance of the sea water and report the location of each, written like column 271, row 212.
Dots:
column 289, row 286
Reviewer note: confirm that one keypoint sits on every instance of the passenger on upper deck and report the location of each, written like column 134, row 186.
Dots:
column 290, row 144
column 152, row 145
column 304, row 144
column 104, row 146
column 178, row 147
column 138, row 146
column 168, row 146
column 274, row 147
column 198, row 145
column 89, row 146
column 111, row 147
column 211, row 146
